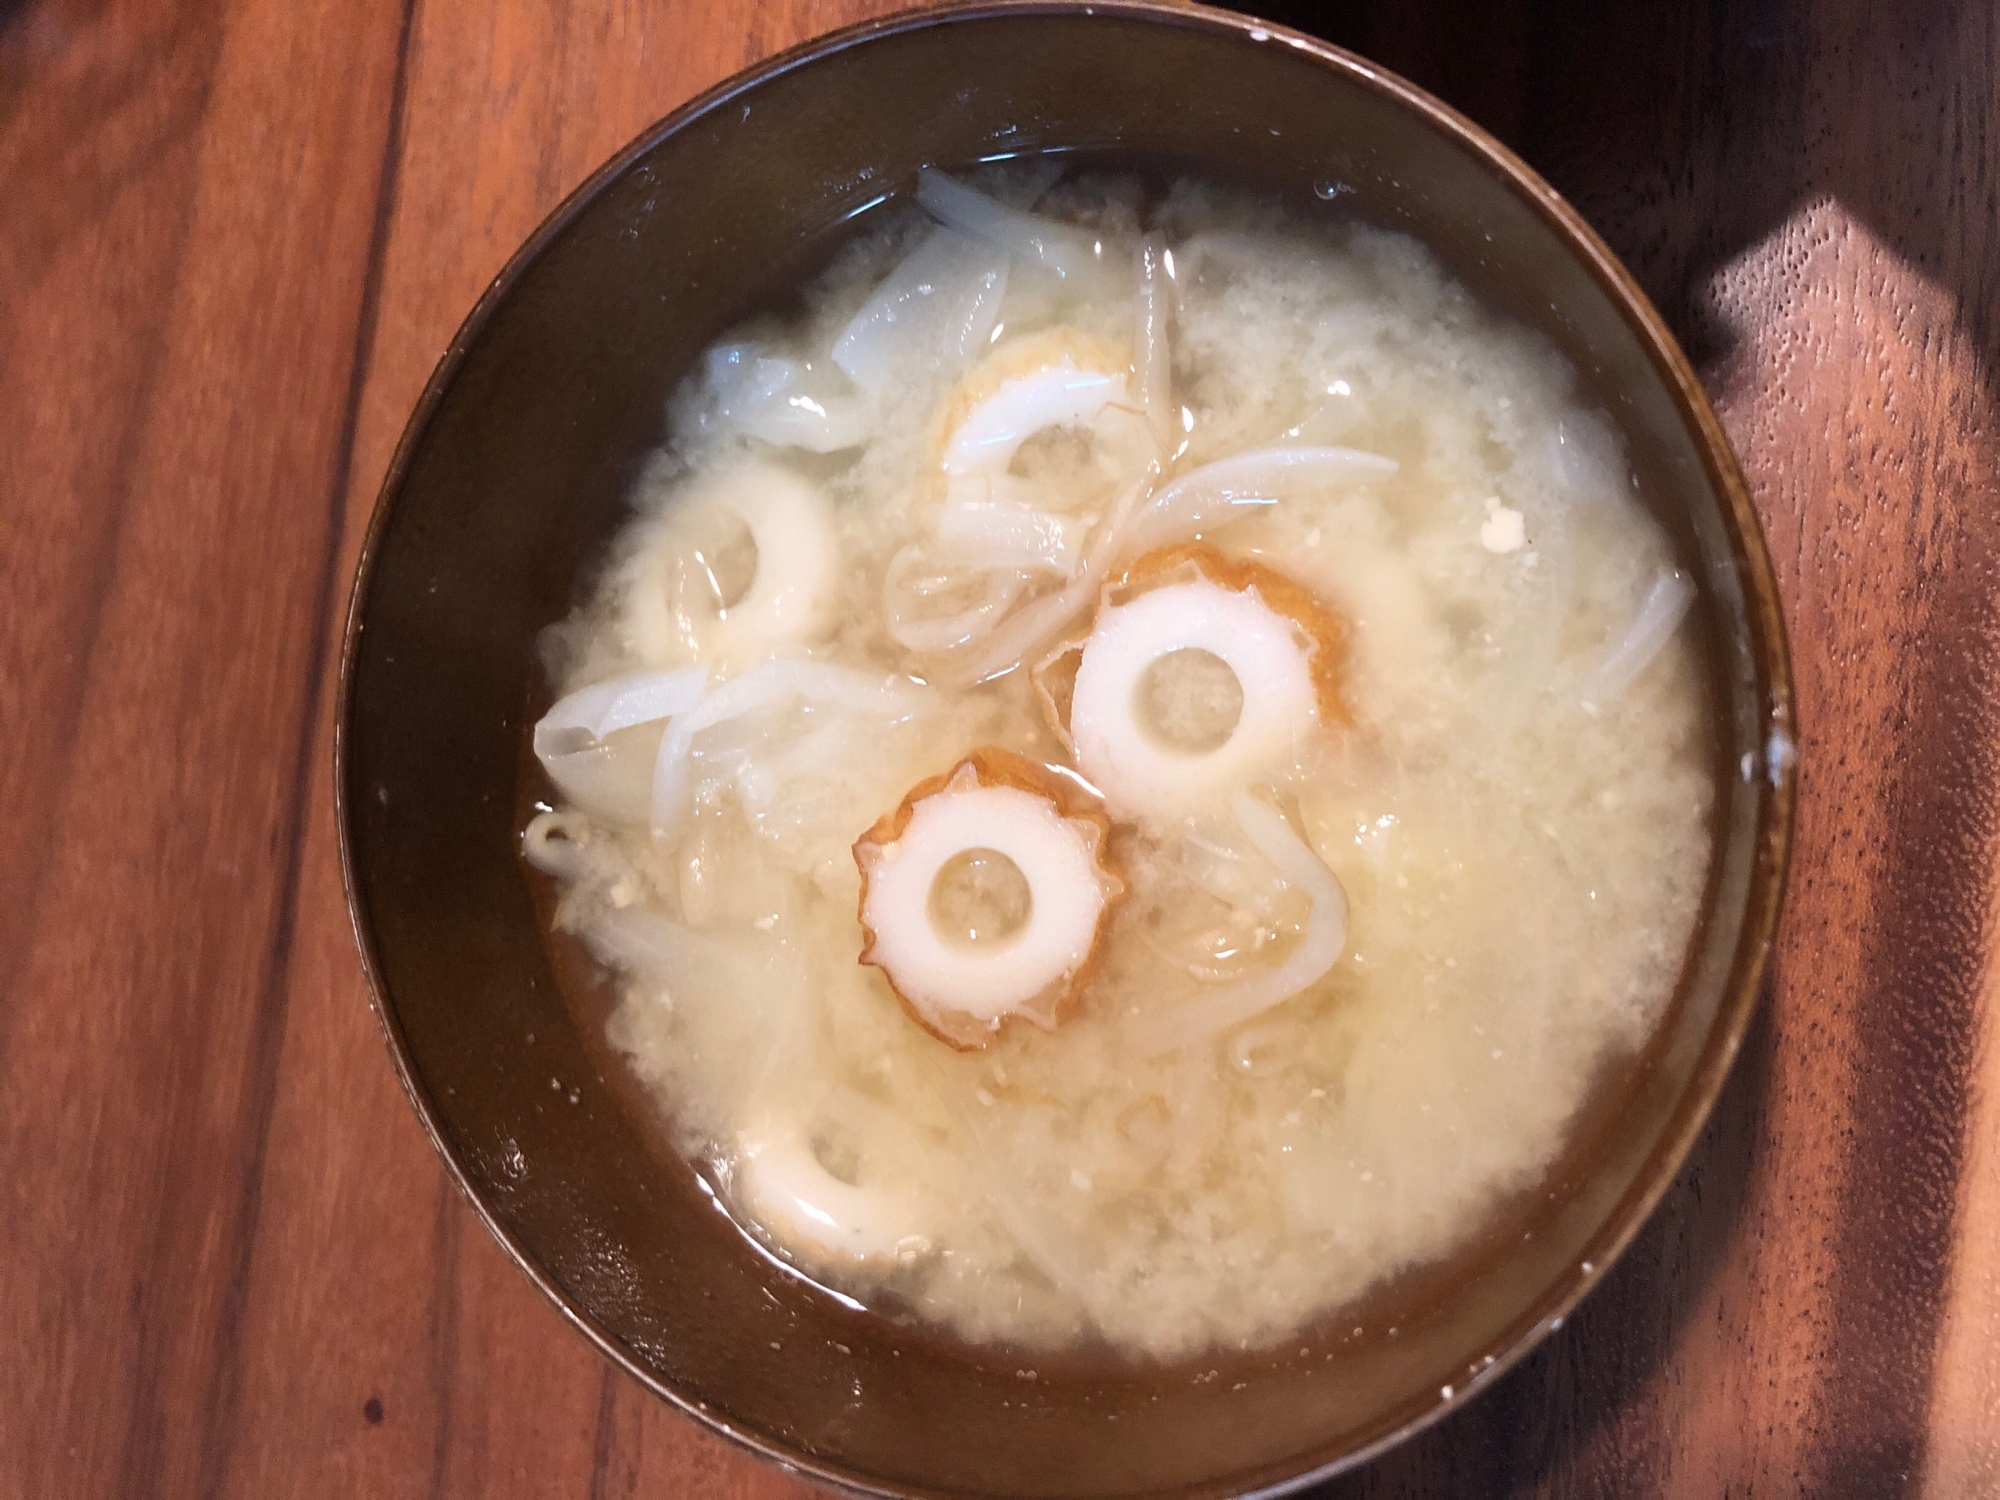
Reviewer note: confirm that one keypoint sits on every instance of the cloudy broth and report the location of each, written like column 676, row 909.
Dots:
column 1268, row 649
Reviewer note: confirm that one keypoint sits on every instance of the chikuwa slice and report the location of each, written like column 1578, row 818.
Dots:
column 747, row 561
column 782, row 1183
column 1056, row 378
column 985, row 896
column 1200, row 674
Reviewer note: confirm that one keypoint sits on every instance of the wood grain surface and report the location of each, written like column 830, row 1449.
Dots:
column 233, row 239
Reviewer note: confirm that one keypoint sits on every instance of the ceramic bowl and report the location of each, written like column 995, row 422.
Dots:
column 506, row 486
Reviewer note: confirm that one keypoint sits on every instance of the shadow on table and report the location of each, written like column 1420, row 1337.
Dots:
column 1689, row 134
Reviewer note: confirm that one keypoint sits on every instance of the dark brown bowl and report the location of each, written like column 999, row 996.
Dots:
column 506, row 485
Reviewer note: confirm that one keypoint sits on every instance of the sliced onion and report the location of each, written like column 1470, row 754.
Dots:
column 1215, row 492
column 572, row 739
column 616, row 703
column 1036, row 624
column 1054, row 247
column 1107, row 543
column 933, row 633
column 1586, row 455
column 768, row 399
column 652, row 946
column 549, row 843
column 938, row 306
column 1318, row 950
column 1248, row 1047
column 1153, row 356
column 772, row 683
column 980, row 521
column 1660, row 614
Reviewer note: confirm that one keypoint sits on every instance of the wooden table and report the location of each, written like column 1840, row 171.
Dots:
column 234, row 237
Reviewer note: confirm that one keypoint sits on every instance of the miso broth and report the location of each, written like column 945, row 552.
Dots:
column 1309, row 647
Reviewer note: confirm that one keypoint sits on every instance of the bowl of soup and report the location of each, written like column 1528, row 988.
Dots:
column 1064, row 757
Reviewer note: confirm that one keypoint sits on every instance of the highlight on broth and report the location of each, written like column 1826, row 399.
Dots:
column 1135, row 764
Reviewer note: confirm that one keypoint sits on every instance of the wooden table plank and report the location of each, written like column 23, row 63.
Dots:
column 234, row 1262
column 190, row 196
column 1806, row 192
column 479, row 1387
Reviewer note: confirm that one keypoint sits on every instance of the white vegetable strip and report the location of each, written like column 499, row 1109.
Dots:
column 1210, row 495
column 617, row 703
column 1252, row 1044
column 935, row 635
column 1584, row 450
column 1660, row 614
column 1106, row 542
column 653, row 946
column 977, row 522
column 772, row 683
column 549, row 843
column 937, row 306
column 766, row 399
column 645, row 943
column 1152, row 354
column 1318, row 950
column 1037, row 624
column 1031, row 627
column 571, row 742
column 1054, row 247
column 916, row 631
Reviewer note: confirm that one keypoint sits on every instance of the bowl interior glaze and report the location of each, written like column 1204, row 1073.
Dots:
column 510, row 478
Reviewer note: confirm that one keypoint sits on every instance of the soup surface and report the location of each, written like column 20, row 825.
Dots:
column 1224, row 684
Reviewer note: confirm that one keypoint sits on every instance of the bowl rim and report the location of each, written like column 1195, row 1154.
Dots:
column 1769, row 651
